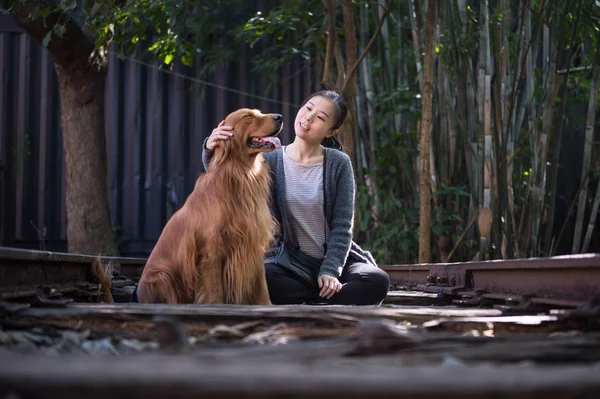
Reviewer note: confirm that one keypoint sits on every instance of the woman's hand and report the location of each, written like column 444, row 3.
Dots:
column 220, row 133
column 329, row 286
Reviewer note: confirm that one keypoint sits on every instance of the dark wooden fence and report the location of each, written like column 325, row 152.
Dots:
column 156, row 122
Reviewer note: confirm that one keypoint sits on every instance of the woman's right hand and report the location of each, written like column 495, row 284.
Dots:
column 221, row 132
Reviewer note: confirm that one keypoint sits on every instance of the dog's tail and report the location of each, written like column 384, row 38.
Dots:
column 104, row 277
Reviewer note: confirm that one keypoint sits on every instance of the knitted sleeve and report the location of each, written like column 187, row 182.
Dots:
column 206, row 155
column 342, row 194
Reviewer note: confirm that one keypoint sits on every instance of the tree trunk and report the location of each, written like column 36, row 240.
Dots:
column 348, row 90
column 89, row 228
column 81, row 72
column 426, row 125
column 331, row 39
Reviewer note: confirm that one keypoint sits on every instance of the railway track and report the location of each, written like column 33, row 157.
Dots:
column 563, row 281
column 516, row 328
column 23, row 272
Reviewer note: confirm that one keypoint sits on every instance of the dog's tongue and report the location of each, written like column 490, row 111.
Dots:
column 273, row 140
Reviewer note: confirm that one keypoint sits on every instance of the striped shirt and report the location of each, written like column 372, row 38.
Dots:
column 304, row 198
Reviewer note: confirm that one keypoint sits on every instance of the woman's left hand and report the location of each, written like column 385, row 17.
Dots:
column 329, row 286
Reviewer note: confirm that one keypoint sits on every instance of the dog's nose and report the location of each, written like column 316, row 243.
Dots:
column 277, row 117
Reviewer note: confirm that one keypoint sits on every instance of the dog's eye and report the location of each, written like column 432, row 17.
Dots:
column 246, row 116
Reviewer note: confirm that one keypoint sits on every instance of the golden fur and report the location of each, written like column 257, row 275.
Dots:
column 212, row 249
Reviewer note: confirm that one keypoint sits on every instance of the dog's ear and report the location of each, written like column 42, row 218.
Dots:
column 232, row 147
column 222, row 152
column 222, row 149
column 227, row 150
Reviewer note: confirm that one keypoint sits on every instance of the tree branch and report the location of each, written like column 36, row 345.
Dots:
column 339, row 65
column 73, row 45
column 329, row 6
column 351, row 45
column 387, row 11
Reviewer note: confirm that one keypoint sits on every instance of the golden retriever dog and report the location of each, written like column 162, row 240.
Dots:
column 211, row 251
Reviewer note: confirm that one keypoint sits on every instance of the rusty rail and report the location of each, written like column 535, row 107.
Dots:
column 21, row 271
column 572, row 277
column 567, row 281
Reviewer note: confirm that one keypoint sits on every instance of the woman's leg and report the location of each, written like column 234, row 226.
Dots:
column 284, row 289
column 363, row 284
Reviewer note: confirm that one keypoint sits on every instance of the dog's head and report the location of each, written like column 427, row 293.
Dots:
column 253, row 133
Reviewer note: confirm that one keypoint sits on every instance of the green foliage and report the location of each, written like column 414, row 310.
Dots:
column 444, row 219
column 169, row 30
column 395, row 229
column 402, row 100
column 392, row 222
column 294, row 29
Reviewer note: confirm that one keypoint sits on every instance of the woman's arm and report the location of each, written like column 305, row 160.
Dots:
column 342, row 219
column 221, row 132
column 206, row 154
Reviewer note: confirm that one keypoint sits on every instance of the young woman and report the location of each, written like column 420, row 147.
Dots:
column 313, row 200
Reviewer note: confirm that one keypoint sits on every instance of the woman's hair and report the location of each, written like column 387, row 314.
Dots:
column 341, row 110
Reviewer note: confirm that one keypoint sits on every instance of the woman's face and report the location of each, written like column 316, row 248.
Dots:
column 315, row 120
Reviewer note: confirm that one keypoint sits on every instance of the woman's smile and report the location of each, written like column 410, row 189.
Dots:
column 304, row 126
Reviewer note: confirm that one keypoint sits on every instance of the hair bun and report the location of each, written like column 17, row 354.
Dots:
column 332, row 142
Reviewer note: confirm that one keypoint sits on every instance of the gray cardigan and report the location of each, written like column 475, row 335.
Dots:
column 339, row 208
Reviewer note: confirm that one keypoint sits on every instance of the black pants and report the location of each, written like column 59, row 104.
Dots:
column 363, row 284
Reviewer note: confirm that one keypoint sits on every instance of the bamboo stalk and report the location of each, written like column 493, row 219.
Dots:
column 464, row 119
column 516, row 116
column 550, row 103
column 416, row 42
column 509, row 227
column 592, row 224
column 417, row 54
column 401, row 69
column 427, row 110
column 471, row 152
column 521, row 58
column 440, row 149
column 528, row 103
column 461, row 117
column 512, row 212
column 587, row 160
column 385, row 41
column 488, row 188
column 567, row 59
column 554, row 246
column 370, row 114
column 484, row 138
